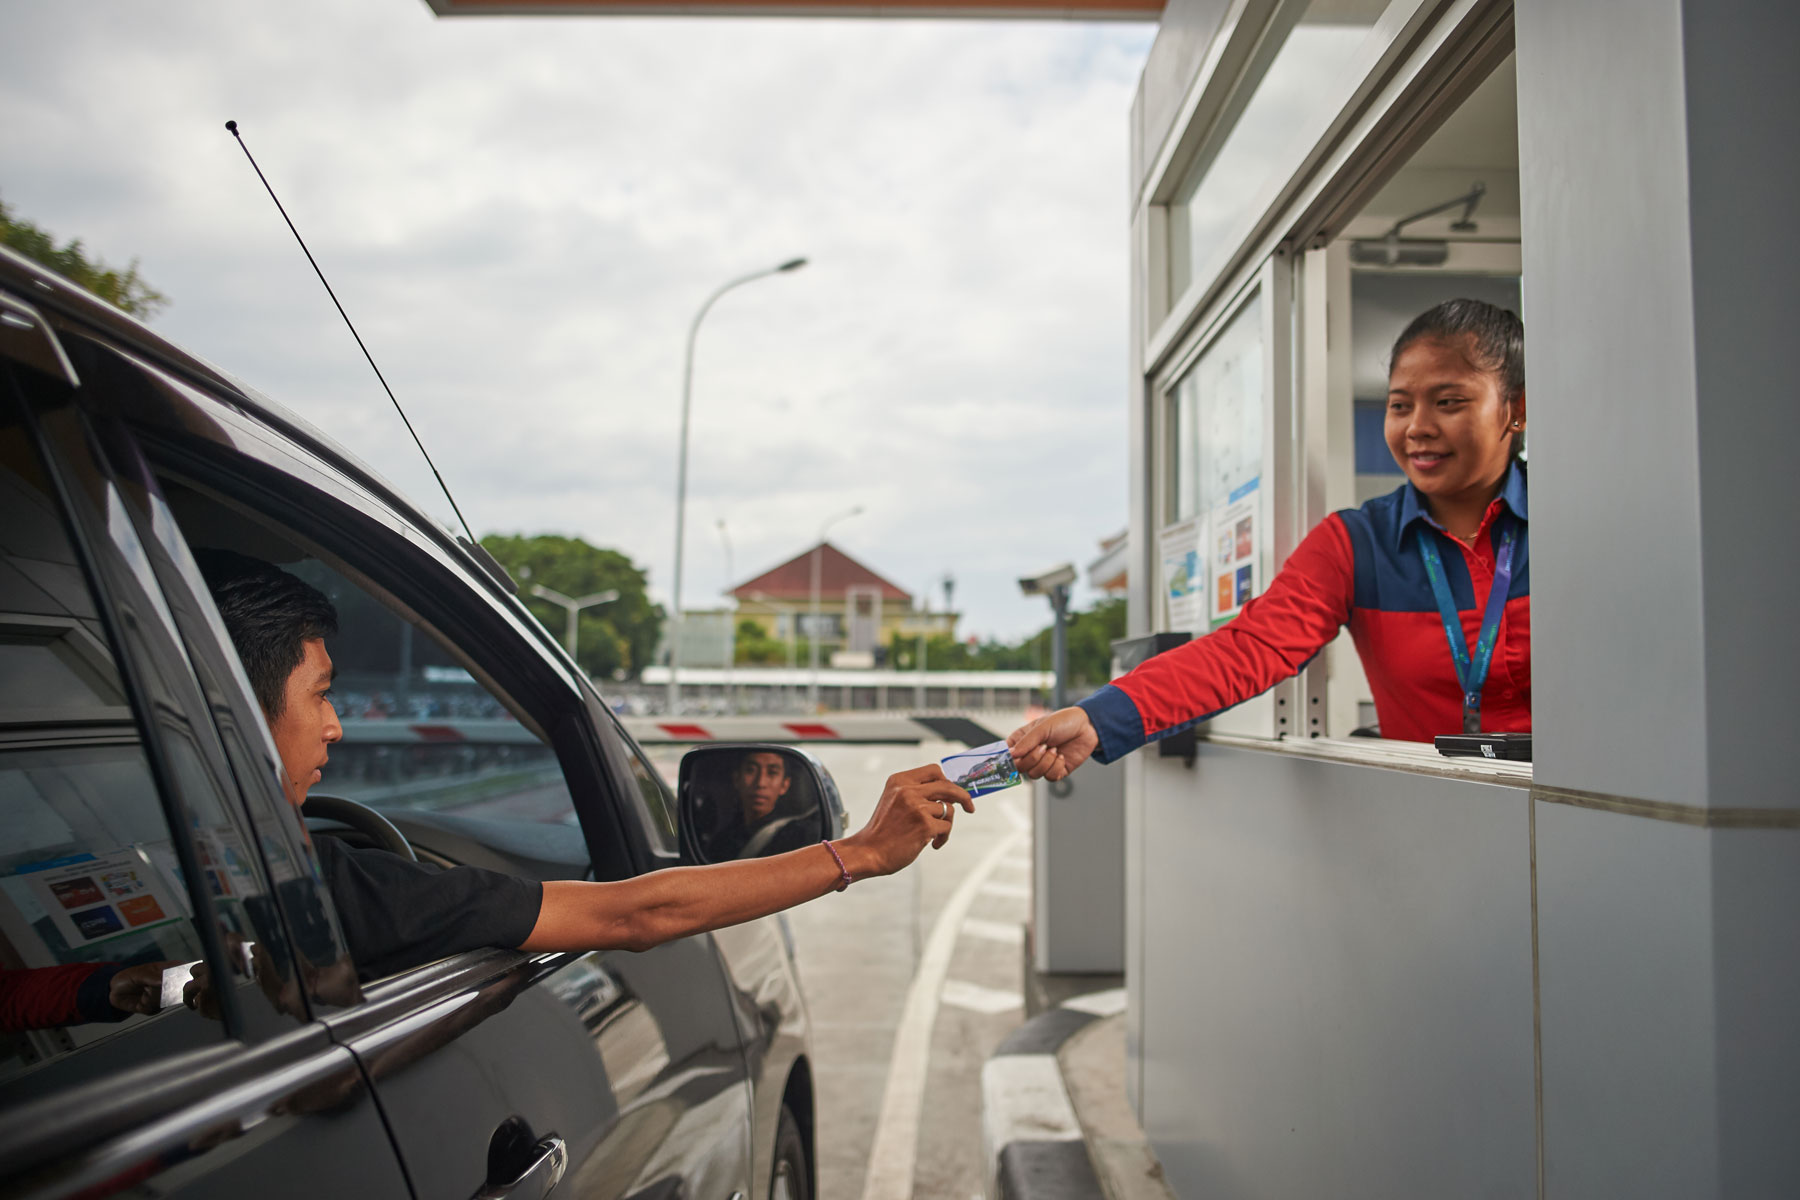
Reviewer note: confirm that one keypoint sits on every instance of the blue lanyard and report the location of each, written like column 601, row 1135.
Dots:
column 1471, row 674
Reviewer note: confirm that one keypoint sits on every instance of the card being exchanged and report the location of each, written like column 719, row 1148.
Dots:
column 983, row 769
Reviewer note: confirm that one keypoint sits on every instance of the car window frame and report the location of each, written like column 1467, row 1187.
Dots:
column 106, row 573
column 236, row 720
column 363, row 546
column 86, row 1124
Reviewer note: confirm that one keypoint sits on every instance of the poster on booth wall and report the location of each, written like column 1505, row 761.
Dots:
column 1184, row 573
column 91, row 898
column 1233, row 553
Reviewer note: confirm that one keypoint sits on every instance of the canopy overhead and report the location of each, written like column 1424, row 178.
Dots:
column 1081, row 10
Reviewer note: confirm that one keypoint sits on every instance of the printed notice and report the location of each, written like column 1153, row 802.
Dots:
column 1184, row 574
column 1232, row 563
column 92, row 898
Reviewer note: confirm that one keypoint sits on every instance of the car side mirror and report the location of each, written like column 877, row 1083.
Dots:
column 751, row 800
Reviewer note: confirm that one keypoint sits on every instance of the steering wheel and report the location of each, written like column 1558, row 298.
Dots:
column 361, row 818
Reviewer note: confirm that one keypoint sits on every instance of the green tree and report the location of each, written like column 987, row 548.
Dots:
column 1091, row 635
column 125, row 289
column 756, row 648
column 619, row 635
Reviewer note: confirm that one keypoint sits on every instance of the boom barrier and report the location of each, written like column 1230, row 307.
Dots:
column 887, row 729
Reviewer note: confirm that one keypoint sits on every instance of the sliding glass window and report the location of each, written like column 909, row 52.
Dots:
column 1294, row 76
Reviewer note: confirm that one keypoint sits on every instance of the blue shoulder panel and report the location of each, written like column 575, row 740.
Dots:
column 1389, row 575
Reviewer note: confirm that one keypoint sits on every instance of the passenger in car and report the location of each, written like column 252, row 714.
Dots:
column 397, row 913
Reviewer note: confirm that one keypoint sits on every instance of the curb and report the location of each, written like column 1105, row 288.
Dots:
column 1033, row 1142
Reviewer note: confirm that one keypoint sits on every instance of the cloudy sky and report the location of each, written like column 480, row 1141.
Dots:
column 522, row 216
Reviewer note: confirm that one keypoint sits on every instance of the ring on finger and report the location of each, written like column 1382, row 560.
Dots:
column 944, row 814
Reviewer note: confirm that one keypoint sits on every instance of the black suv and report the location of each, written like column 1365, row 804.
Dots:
column 142, row 822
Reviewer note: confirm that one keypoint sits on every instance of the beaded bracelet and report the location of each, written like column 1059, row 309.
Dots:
column 846, row 879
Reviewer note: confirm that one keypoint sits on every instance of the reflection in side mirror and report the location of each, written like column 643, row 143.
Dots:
column 752, row 801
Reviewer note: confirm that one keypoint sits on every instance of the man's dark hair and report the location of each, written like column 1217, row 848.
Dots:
column 270, row 616
column 1491, row 337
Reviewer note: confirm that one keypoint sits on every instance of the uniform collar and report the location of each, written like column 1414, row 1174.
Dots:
column 1512, row 495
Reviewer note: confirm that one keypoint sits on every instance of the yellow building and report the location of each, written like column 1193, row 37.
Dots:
column 858, row 610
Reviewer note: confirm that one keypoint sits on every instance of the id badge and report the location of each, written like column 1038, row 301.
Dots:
column 983, row 769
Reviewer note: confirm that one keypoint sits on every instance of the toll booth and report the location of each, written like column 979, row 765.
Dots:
column 1356, row 967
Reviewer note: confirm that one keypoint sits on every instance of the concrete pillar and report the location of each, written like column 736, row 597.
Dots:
column 1658, row 173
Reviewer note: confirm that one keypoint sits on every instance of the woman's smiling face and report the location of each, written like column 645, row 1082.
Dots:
column 1448, row 424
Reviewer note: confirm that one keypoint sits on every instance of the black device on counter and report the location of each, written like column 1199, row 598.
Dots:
column 1514, row 746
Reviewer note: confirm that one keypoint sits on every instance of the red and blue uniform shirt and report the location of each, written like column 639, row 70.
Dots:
column 1359, row 567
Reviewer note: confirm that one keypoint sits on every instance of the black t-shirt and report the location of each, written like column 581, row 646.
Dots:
column 776, row 835
column 398, row 914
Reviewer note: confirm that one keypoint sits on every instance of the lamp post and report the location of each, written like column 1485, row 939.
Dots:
column 818, row 554
column 573, row 608
column 1054, row 586
column 730, row 619
column 687, row 393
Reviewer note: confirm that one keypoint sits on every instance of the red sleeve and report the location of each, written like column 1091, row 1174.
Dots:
column 1302, row 609
column 42, row 998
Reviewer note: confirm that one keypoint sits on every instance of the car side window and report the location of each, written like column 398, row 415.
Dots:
column 658, row 797
column 95, row 909
column 421, row 732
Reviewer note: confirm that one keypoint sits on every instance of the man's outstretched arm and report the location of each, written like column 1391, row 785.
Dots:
column 636, row 914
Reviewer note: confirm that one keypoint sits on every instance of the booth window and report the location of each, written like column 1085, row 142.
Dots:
column 1295, row 71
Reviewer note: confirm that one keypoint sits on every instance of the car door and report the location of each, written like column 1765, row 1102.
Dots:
column 493, row 1069
column 125, row 851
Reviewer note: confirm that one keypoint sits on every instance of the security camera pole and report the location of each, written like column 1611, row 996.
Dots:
column 1054, row 584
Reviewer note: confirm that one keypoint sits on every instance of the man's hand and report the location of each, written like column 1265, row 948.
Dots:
column 658, row 906
column 1053, row 745
column 914, row 809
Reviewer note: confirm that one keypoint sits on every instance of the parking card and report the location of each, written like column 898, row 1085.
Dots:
column 983, row 769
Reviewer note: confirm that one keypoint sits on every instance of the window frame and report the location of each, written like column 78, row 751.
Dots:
column 260, row 473
column 180, row 1089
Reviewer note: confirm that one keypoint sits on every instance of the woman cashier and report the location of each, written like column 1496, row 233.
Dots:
column 1431, row 578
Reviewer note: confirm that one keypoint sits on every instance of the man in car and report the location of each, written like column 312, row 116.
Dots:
column 759, row 825
column 397, row 913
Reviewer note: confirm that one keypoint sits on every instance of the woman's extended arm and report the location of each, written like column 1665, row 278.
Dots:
column 636, row 914
column 1301, row 611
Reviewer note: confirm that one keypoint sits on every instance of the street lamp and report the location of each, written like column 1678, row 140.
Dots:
column 818, row 554
column 1054, row 584
column 730, row 618
column 687, row 393
column 573, row 607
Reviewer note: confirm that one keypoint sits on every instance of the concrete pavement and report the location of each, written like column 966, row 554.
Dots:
column 908, row 1123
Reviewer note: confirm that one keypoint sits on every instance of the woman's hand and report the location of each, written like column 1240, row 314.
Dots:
column 1053, row 745
column 138, row 989
column 915, row 808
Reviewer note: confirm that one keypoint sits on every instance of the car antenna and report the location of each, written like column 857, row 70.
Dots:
column 482, row 552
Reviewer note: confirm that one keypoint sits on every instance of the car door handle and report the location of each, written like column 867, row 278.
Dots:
column 550, row 1158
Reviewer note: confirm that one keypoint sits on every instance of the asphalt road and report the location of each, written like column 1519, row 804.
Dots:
column 907, row 1122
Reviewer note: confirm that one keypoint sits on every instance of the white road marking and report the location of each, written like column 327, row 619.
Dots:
column 1102, row 1004
column 972, row 996
column 1011, row 891
column 1010, row 932
column 896, row 1148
